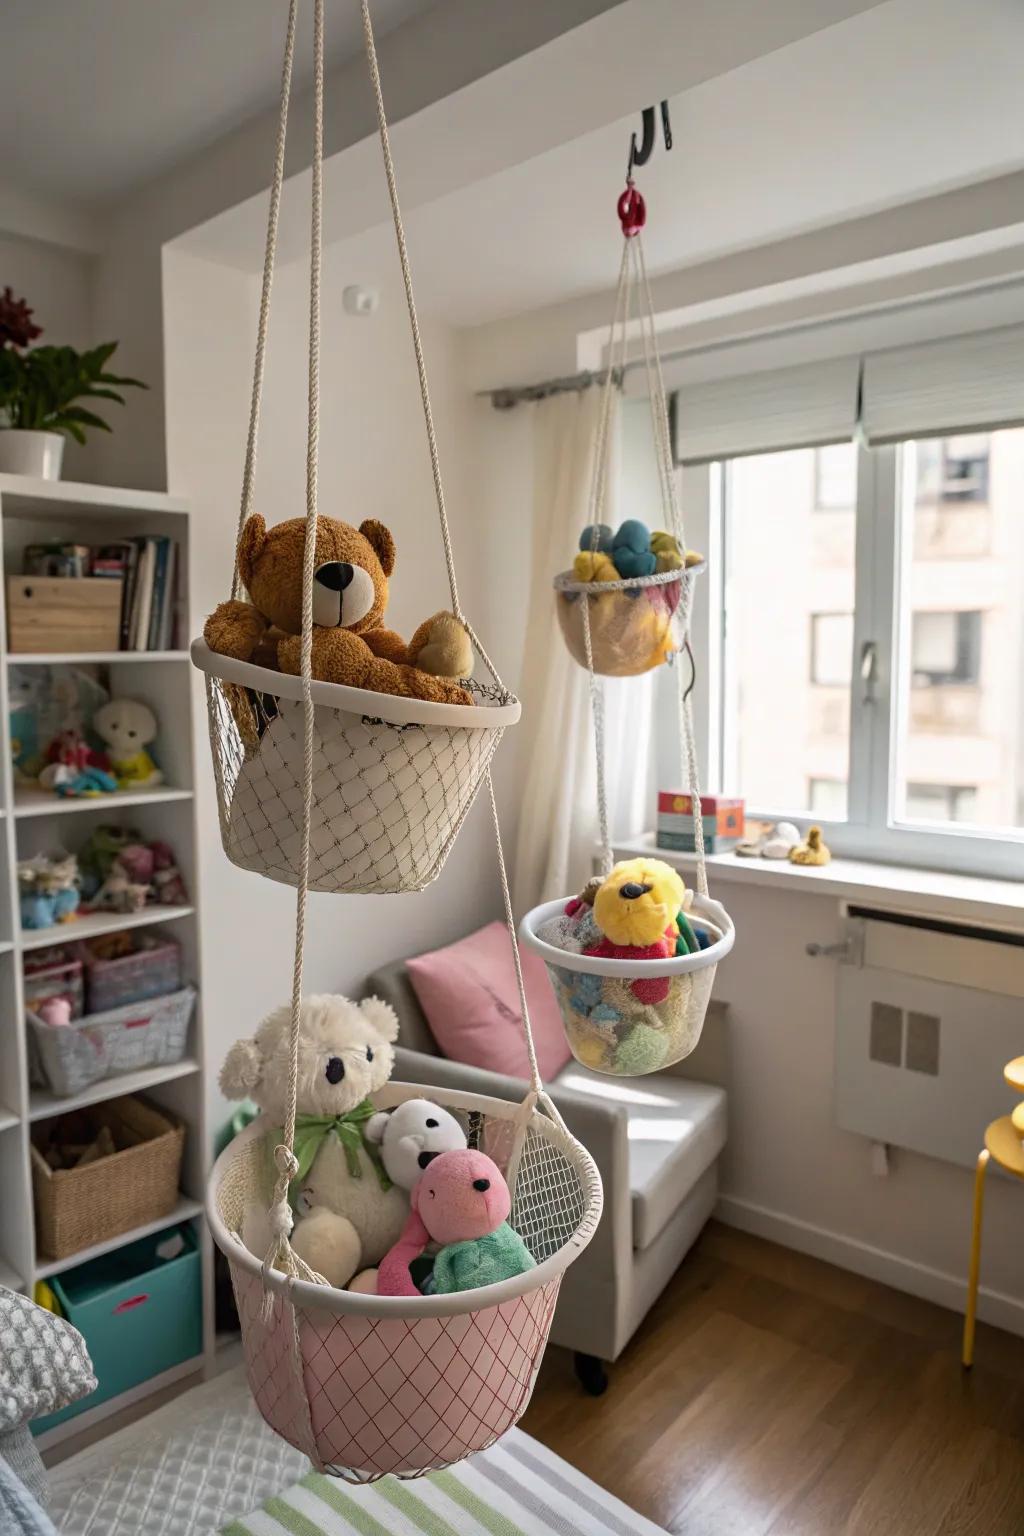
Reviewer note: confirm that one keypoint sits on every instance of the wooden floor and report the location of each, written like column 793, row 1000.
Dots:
column 768, row 1394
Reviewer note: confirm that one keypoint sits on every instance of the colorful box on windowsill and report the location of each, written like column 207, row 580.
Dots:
column 723, row 821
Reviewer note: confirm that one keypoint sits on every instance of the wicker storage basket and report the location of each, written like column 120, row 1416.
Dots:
column 371, row 1385
column 612, row 1022
column 147, row 1034
column 393, row 778
column 78, row 1207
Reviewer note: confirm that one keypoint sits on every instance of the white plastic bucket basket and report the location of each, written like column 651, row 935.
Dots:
column 635, row 625
column 393, row 778
column 628, row 1017
column 371, row 1385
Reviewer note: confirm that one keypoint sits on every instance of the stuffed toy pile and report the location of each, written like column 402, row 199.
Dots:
column 360, row 1167
column 630, row 1024
column 350, row 594
column 632, row 551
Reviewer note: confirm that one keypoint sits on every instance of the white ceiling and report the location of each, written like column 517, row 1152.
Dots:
column 100, row 95
column 904, row 100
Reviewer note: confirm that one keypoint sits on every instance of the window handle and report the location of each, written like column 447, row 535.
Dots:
column 868, row 670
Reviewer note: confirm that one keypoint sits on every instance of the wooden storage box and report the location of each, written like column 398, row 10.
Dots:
column 63, row 613
column 79, row 1207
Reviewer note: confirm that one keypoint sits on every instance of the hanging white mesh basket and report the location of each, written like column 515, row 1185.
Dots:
column 628, row 1017
column 371, row 1385
column 635, row 624
column 393, row 778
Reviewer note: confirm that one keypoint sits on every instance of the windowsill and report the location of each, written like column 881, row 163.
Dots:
column 998, row 903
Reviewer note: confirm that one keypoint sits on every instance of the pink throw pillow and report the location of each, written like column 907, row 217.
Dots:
column 468, row 992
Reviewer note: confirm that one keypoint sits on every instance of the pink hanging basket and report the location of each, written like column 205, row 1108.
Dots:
column 368, row 1386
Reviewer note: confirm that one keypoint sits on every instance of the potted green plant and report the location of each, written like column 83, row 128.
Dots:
column 40, row 391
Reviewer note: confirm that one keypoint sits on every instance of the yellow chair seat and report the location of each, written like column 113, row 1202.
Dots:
column 1003, row 1141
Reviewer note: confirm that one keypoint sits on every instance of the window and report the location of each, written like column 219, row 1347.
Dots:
column 944, row 648
column 873, row 660
column 832, row 649
column 835, row 478
column 789, row 640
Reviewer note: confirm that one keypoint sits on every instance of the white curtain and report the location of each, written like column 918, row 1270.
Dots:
column 558, row 814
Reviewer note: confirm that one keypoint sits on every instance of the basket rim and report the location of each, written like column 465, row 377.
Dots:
column 393, row 709
column 305, row 1293
column 566, row 581
column 594, row 965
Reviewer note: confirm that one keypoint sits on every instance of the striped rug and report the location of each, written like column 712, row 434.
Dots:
column 517, row 1488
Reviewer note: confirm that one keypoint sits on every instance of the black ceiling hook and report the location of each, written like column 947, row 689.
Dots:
column 641, row 155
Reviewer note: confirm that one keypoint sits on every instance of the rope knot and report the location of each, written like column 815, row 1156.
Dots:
column 286, row 1162
column 281, row 1222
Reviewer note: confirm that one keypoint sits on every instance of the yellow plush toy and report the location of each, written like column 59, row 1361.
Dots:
column 637, row 903
column 594, row 565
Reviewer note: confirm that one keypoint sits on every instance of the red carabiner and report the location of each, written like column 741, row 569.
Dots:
column 632, row 210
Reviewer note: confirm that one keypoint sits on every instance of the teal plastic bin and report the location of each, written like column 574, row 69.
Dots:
column 139, row 1315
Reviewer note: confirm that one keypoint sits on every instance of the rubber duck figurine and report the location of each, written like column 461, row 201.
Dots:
column 812, row 851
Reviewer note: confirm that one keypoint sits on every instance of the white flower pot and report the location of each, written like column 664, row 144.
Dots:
column 31, row 453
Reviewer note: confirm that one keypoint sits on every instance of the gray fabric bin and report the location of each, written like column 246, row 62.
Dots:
column 153, row 1033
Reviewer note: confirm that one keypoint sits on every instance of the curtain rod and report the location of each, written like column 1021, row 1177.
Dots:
column 507, row 396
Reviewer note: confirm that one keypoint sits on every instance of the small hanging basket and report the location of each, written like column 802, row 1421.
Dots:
column 630, row 1017
column 393, row 778
column 635, row 624
column 371, row 1385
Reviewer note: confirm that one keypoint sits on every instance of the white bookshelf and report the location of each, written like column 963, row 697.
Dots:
column 32, row 821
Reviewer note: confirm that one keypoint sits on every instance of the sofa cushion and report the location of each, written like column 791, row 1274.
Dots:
column 676, row 1130
column 469, row 994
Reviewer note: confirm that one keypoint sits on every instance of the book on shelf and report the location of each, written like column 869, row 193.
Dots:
column 147, row 569
column 685, row 842
column 724, row 816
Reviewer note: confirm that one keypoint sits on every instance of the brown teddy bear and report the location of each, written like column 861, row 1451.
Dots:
column 350, row 593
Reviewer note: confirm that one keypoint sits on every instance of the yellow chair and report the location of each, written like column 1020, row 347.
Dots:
column 1004, row 1140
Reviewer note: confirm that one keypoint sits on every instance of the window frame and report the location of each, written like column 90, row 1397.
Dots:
column 872, row 830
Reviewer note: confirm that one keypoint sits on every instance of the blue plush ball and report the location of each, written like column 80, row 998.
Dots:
column 634, row 562
column 604, row 538
column 634, row 535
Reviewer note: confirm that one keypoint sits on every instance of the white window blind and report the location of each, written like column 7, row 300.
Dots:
column 942, row 387
column 804, row 406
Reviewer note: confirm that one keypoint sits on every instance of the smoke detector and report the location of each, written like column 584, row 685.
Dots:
column 357, row 300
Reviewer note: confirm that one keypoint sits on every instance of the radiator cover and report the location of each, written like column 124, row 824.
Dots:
column 927, row 1015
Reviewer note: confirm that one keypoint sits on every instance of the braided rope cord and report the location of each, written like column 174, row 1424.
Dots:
column 286, row 1163
column 634, row 266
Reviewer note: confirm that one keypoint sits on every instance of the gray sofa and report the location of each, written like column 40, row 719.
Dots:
column 655, row 1141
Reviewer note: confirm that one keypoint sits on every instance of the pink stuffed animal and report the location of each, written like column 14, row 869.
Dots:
column 463, row 1203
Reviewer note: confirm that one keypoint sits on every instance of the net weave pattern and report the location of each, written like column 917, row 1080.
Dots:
column 388, row 800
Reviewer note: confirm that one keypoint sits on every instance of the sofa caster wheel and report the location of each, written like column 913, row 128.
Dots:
column 590, row 1373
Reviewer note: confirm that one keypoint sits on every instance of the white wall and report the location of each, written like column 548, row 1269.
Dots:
column 373, row 462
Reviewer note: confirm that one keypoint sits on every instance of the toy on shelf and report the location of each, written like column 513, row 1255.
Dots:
column 48, row 891
column 633, row 627
column 74, row 768
column 461, row 1202
column 121, row 872
column 813, row 851
column 350, row 1211
column 127, row 727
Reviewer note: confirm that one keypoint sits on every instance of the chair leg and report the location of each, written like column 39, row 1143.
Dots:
column 590, row 1373
column 975, row 1269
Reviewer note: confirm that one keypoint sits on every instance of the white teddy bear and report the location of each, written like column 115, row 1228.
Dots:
column 411, row 1136
column 352, row 1213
